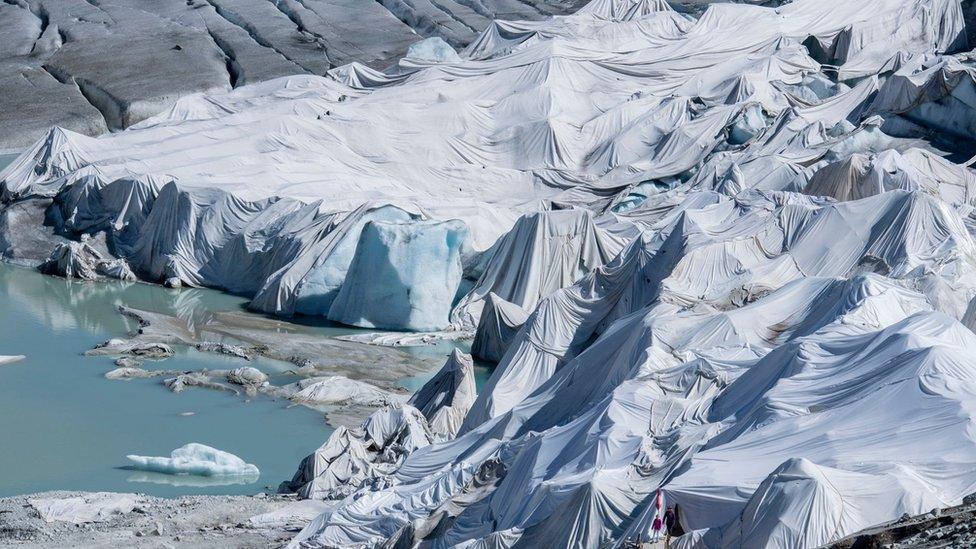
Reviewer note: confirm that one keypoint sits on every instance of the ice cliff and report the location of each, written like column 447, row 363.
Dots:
column 726, row 258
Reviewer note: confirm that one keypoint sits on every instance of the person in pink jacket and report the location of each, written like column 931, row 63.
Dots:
column 656, row 529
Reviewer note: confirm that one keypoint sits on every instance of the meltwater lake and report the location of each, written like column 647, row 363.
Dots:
column 67, row 427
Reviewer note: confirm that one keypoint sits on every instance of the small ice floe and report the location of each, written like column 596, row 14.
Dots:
column 196, row 459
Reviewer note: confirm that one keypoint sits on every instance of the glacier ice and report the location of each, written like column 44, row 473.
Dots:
column 195, row 459
column 319, row 287
column 404, row 276
column 433, row 49
column 56, row 70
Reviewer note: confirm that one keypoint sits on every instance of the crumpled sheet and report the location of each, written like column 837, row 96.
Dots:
column 352, row 457
column 543, row 252
column 739, row 352
column 447, row 397
column 500, row 321
column 94, row 507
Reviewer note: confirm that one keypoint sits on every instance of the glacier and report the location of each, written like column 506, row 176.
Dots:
column 433, row 49
column 725, row 260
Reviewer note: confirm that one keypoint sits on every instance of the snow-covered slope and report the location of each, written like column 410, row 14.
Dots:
column 722, row 258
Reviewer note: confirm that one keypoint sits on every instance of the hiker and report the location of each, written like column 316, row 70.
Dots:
column 656, row 529
column 668, row 525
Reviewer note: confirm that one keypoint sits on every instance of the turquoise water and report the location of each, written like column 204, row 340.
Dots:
column 67, row 427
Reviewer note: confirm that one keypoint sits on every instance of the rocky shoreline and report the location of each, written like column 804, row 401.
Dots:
column 948, row 527
column 346, row 380
column 136, row 520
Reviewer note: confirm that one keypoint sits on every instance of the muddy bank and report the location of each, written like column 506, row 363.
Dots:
column 370, row 376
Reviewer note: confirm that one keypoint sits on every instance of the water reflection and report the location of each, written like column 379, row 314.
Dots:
column 193, row 481
column 63, row 304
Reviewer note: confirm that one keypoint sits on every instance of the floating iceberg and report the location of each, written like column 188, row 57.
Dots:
column 10, row 359
column 189, row 480
column 196, row 459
